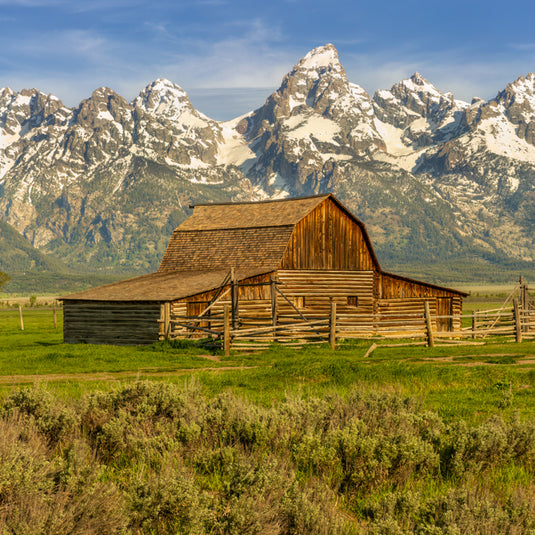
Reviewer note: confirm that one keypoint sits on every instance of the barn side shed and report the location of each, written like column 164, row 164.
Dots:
column 269, row 261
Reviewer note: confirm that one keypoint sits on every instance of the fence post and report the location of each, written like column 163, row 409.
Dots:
column 473, row 324
column 518, row 324
column 167, row 320
column 226, row 331
column 55, row 317
column 332, row 326
column 428, row 325
column 21, row 319
column 234, row 297
column 274, row 312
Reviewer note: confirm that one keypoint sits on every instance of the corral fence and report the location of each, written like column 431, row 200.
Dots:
column 259, row 325
column 53, row 309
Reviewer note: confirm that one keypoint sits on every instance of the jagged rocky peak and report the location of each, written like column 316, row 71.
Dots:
column 521, row 91
column 419, row 98
column 163, row 98
column 103, row 106
column 305, row 86
column 318, row 86
column 28, row 108
column 321, row 58
column 518, row 103
column 424, row 114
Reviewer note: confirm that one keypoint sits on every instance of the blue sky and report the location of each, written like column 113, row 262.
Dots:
column 230, row 54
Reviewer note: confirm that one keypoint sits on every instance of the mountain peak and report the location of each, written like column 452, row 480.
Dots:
column 418, row 79
column 322, row 56
column 164, row 98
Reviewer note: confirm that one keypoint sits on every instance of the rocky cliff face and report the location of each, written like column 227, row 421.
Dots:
column 105, row 183
column 315, row 119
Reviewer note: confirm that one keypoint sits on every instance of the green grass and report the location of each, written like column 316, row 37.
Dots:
column 471, row 382
column 313, row 440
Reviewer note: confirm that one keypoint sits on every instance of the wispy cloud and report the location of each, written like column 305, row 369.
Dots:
column 524, row 47
column 453, row 70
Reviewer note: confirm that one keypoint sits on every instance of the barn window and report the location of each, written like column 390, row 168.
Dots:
column 299, row 301
column 353, row 300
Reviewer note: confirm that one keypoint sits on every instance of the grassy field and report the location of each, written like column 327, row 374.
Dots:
column 471, row 382
column 170, row 438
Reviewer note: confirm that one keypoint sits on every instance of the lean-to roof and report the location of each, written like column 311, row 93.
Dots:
column 167, row 286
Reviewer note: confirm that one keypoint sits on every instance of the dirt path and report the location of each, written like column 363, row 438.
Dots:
column 110, row 376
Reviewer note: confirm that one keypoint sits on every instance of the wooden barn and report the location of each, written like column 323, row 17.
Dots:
column 271, row 263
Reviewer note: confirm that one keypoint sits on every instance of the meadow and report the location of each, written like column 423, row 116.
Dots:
column 171, row 438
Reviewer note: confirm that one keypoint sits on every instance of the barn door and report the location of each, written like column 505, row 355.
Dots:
column 444, row 308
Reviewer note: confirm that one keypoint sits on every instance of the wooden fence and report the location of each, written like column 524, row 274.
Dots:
column 252, row 333
column 255, row 324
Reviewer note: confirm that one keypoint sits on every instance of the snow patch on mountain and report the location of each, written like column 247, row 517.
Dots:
column 312, row 126
column 501, row 138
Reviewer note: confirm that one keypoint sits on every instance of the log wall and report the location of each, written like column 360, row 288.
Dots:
column 117, row 323
column 360, row 312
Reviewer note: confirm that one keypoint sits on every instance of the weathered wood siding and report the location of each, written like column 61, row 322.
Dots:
column 393, row 287
column 328, row 238
column 406, row 298
column 117, row 323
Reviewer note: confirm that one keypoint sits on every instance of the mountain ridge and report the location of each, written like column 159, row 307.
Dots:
column 104, row 183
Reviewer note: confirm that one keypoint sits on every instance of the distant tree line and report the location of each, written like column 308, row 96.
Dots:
column 4, row 277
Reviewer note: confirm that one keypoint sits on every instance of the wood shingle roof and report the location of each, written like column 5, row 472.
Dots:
column 166, row 286
column 273, row 213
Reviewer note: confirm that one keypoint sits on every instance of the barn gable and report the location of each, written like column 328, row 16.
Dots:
column 330, row 237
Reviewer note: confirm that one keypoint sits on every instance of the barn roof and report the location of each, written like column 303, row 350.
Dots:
column 161, row 287
column 243, row 248
column 244, row 235
column 259, row 214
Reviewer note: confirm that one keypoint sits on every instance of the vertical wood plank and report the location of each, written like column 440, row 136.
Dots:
column 332, row 325
column 167, row 320
column 234, row 298
column 428, row 326
column 226, row 330
column 518, row 325
column 274, row 316
column 21, row 319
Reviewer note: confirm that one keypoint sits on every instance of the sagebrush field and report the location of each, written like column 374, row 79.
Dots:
column 172, row 439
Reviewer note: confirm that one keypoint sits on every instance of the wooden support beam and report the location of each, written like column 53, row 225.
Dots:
column 332, row 325
column 234, row 296
column 371, row 349
column 518, row 324
column 274, row 312
column 428, row 325
column 226, row 331
column 167, row 320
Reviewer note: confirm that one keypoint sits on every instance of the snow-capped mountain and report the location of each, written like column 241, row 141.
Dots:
column 433, row 177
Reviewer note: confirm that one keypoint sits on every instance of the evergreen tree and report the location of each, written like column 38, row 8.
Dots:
column 4, row 277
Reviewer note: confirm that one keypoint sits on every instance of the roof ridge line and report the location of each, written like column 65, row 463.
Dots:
column 265, row 201
column 233, row 228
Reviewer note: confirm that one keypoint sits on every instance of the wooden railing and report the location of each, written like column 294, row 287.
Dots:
column 297, row 330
